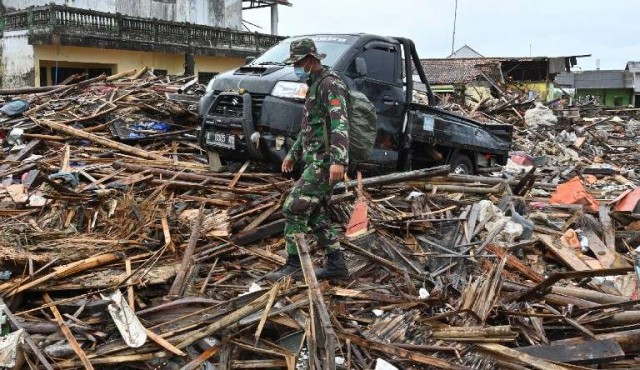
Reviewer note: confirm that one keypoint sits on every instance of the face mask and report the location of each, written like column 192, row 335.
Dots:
column 300, row 72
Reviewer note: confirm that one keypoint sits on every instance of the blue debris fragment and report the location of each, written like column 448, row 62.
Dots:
column 15, row 107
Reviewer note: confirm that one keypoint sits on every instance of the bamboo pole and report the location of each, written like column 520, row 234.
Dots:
column 121, row 74
column 400, row 353
column 69, row 269
column 187, row 258
column 163, row 343
column 224, row 322
column 67, row 333
column 100, row 140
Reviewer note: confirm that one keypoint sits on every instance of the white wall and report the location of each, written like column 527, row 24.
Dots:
column 18, row 61
column 97, row 5
column 217, row 13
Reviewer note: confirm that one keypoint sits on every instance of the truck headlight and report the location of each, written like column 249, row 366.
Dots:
column 290, row 90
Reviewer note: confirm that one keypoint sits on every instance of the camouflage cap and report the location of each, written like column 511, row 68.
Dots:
column 301, row 48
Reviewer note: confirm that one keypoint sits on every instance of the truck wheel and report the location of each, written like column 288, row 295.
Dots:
column 461, row 164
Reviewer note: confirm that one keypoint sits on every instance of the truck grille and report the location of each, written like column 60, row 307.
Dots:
column 228, row 106
column 231, row 106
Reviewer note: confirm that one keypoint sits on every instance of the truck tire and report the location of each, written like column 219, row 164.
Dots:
column 461, row 164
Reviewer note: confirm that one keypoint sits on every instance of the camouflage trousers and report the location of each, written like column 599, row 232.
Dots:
column 305, row 209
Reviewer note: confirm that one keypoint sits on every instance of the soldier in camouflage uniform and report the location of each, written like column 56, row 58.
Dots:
column 325, row 158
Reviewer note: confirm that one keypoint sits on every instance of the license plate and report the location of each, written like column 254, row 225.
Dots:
column 221, row 139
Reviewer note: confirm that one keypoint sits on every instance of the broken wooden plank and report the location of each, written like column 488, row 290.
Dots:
column 67, row 333
column 236, row 178
column 557, row 276
column 587, row 353
column 567, row 255
column 264, row 231
column 21, row 155
column 100, row 140
column 395, row 178
column 608, row 257
column 514, row 355
column 320, row 321
column 66, row 270
column 177, row 288
column 516, row 263
column 479, row 334
column 225, row 321
column 401, row 353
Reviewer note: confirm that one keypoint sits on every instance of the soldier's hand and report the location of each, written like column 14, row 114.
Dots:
column 336, row 172
column 287, row 165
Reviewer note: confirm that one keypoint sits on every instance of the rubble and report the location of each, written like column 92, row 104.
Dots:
column 121, row 249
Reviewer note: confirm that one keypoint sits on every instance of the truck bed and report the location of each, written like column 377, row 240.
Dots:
column 437, row 126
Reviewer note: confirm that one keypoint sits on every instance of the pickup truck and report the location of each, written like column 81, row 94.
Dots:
column 254, row 112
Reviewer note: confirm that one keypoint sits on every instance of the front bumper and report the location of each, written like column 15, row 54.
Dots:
column 250, row 126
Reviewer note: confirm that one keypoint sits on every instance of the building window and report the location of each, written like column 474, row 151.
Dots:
column 205, row 77
column 43, row 76
column 95, row 72
column 54, row 72
column 160, row 72
column 59, row 75
column 618, row 101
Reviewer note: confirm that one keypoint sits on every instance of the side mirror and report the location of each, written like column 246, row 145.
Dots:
column 361, row 67
column 249, row 59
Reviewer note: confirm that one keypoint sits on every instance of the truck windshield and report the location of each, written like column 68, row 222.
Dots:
column 332, row 46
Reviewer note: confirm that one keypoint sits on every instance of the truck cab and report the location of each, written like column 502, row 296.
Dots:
column 254, row 112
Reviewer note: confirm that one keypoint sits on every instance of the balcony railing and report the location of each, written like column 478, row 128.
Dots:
column 68, row 21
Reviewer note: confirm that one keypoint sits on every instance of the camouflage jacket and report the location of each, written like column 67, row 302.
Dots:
column 331, row 102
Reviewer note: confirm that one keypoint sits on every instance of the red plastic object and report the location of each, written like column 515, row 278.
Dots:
column 522, row 159
column 572, row 192
column 629, row 202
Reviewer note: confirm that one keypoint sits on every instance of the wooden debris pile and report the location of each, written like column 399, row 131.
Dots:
column 126, row 252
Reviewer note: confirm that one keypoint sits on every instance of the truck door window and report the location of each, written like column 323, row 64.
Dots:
column 381, row 63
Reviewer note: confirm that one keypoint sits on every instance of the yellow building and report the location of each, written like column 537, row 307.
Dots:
column 68, row 60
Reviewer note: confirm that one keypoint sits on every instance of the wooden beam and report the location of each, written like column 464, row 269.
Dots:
column 324, row 333
column 400, row 353
column 591, row 352
column 187, row 258
column 567, row 255
column 513, row 355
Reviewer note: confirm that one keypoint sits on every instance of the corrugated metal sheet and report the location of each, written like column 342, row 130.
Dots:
column 603, row 80
column 633, row 66
column 565, row 79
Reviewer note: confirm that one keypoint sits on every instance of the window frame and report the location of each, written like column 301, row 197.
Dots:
column 382, row 46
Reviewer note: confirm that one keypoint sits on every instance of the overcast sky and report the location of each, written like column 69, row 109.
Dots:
column 605, row 29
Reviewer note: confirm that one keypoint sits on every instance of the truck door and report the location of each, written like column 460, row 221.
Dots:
column 382, row 84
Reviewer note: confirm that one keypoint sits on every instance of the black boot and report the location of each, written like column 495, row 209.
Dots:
column 292, row 267
column 335, row 268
